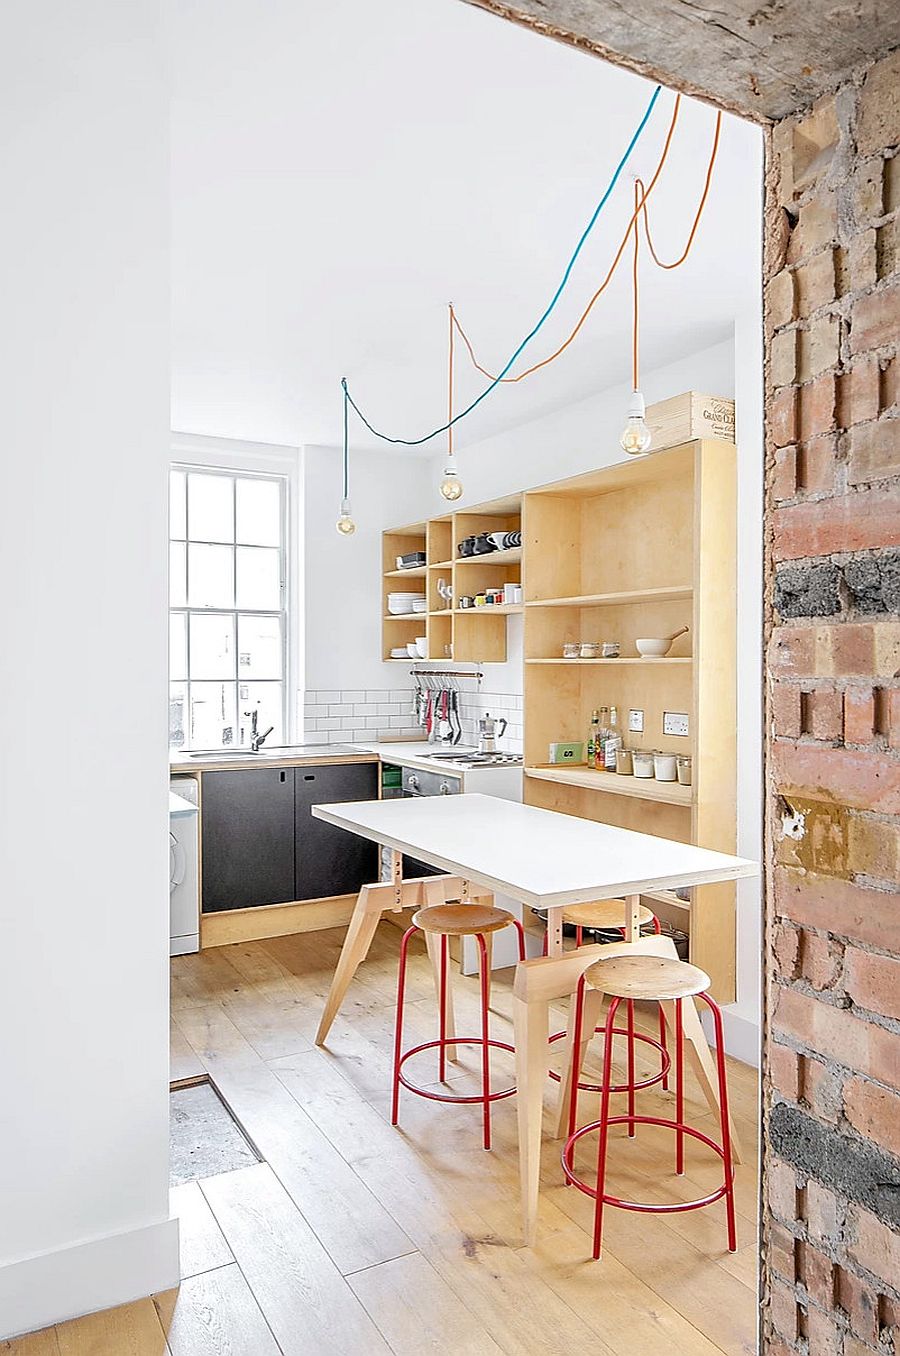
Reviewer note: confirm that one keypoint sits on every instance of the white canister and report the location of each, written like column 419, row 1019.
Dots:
column 642, row 763
column 665, row 767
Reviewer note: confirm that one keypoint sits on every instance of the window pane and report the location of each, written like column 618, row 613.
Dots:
column 212, row 715
column 266, row 700
column 259, row 512
column 177, row 709
column 259, row 647
column 177, row 646
column 212, row 645
column 258, row 578
column 211, row 575
column 177, row 518
column 177, row 594
column 210, row 507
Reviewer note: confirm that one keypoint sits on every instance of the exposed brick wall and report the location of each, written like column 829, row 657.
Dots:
column 832, row 1171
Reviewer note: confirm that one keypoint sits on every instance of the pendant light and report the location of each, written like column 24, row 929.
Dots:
column 636, row 436
column 451, row 485
column 345, row 524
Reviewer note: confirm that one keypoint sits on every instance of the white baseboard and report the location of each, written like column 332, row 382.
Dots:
column 741, row 1034
column 79, row 1280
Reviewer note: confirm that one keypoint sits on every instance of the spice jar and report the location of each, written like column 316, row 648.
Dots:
column 684, row 771
column 624, row 763
column 664, row 768
column 611, row 649
column 642, row 763
column 590, row 649
column 571, row 649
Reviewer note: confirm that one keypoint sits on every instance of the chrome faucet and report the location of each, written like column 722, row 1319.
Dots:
column 256, row 739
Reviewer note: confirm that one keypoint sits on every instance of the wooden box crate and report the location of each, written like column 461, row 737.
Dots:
column 691, row 415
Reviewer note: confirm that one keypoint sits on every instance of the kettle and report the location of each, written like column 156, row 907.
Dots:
column 488, row 734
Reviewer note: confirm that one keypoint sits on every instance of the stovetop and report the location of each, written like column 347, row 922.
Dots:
column 474, row 759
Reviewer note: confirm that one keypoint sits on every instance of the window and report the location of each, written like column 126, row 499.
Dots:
column 227, row 611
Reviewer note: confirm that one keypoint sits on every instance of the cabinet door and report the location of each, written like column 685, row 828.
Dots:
column 248, row 838
column 331, row 861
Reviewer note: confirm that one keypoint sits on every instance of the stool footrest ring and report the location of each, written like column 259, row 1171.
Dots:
column 448, row 1097
column 622, row 1087
column 646, row 1207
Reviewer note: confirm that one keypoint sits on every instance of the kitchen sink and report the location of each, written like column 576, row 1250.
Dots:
column 267, row 751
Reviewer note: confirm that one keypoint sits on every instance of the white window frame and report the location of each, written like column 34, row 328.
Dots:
column 236, row 458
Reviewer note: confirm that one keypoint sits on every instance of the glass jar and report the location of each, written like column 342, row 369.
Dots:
column 624, row 762
column 684, row 771
column 571, row 649
column 642, row 763
column 664, row 767
column 590, row 649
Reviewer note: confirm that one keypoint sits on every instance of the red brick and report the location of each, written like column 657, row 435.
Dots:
column 818, row 347
column 861, row 521
column 784, row 1070
column 873, row 982
column 839, row 907
column 785, row 709
column 820, row 1089
column 786, row 945
column 878, row 118
column 783, row 358
column 859, row 1302
column 792, row 650
column 781, row 1190
column 820, row 960
column 817, row 404
column 822, row 1334
column 783, row 1311
column 875, row 452
column 875, row 1247
column 815, row 282
column 784, row 474
column 781, row 1250
column 889, row 388
column 837, row 1034
column 874, row 1112
column 822, row 713
column 852, row 777
column 873, row 848
column 873, row 322
column 868, row 191
column 893, row 717
column 780, row 300
column 816, row 227
column 783, row 416
column 858, row 392
column 859, row 715
column 824, row 1213
column 816, row 461
column 855, row 266
column 843, row 650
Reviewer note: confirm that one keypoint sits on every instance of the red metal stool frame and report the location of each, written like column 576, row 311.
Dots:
column 600, row 1196
column 486, row 1096
column 661, row 1045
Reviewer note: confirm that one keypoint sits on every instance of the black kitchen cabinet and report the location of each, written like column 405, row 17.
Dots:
column 247, row 820
column 331, row 861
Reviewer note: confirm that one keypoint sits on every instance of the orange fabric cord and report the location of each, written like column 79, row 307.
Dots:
column 642, row 195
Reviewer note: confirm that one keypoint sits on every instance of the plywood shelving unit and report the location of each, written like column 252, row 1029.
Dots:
column 463, row 635
column 636, row 549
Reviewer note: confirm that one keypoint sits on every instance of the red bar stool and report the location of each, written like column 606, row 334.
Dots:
column 609, row 914
column 445, row 921
column 659, row 979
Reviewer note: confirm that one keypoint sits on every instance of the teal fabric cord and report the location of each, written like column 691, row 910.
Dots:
column 416, row 442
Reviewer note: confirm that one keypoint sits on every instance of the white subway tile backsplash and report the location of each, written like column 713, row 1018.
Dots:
column 357, row 716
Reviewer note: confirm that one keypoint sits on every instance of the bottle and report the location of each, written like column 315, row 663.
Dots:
column 613, row 741
column 593, row 736
column 601, row 737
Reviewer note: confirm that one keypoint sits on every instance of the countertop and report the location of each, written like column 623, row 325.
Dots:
column 414, row 753
column 292, row 755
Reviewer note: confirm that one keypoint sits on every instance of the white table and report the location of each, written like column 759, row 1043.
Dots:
column 548, row 861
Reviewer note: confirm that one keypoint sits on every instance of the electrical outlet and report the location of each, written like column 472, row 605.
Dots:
column 635, row 722
column 675, row 723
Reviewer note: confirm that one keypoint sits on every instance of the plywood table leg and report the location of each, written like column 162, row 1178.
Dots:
column 632, row 918
column 530, row 1025
column 554, row 932
column 362, row 928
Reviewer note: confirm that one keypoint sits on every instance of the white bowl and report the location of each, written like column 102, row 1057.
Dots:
column 653, row 648
column 413, row 651
column 420, row 605
column 422, row 646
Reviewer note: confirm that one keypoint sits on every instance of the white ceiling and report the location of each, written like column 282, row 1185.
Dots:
column 342, row 169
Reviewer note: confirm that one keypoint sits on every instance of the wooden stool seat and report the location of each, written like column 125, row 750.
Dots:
column 462, row 920
column 653, row 977
column 607, row 913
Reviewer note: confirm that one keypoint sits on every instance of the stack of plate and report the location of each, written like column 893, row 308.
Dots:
column 403, row 604
column 400, row 652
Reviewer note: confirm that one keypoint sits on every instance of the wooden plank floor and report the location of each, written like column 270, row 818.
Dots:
column 355, row 1239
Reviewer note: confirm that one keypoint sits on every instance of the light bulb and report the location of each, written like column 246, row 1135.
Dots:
column 451, row 485
column 636, row 436
column 345, row 524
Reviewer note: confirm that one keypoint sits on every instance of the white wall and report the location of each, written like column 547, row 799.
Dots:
column 83, row 807
column 342, row 588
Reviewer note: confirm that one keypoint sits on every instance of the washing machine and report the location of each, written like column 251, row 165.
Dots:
column 184, row 894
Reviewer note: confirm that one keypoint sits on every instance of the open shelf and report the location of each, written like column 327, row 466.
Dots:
column 667, row 897
column 637, row 788
column 510, row 557
column 440, row 564
column 660, row 595
column 405, row 616
column 490, row 609
column 416, row 572
column 625, row 659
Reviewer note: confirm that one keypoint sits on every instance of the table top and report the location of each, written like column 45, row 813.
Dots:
column 540, row 857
